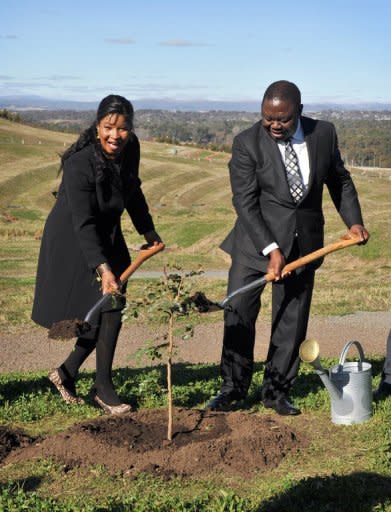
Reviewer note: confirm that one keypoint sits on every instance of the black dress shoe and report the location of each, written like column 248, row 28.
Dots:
column 222, row 402
column 282, row 406
column 382, row 392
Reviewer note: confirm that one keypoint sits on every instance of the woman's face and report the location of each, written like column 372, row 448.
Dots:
column 113, row 132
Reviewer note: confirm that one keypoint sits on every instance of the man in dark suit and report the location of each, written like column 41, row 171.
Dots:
column 277, row 171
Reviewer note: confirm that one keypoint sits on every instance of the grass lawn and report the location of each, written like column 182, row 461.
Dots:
column 344, row 468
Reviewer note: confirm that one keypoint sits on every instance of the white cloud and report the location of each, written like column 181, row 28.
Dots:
column 182, row 43
column 56, row 78
column 120, row 40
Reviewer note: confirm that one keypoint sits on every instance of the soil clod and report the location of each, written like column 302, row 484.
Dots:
column 67, row 329
column 203, row 304
column 12, row 439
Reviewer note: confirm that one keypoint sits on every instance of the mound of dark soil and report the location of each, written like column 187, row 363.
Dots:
column 235, row 443
column 12, row 439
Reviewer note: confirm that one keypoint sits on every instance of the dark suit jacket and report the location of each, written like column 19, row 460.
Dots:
column 265, row 210
column 83, row 230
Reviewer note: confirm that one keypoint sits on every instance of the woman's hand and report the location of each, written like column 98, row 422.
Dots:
column 108, row 279
column 109, row 282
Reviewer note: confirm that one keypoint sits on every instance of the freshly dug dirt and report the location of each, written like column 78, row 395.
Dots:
column 12, row 439
column 234, row 443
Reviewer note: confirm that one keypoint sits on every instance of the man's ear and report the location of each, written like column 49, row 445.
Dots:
column 300, row 108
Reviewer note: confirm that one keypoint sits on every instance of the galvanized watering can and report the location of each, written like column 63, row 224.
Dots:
column 349, row 384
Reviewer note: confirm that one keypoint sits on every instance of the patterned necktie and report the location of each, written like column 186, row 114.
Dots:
column 293, row 174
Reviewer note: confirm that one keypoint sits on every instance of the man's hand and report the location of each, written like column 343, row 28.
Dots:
column 276, row 263
column 360, row 232
column 152, row 237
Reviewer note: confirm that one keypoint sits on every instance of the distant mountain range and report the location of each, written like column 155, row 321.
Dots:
column 40, row 103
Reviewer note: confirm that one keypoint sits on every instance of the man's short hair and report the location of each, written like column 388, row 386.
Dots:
column 283, row 90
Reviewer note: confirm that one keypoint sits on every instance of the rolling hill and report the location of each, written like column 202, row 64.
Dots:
column 189, row 195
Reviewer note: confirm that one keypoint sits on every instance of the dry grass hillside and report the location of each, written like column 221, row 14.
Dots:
column 189, row 195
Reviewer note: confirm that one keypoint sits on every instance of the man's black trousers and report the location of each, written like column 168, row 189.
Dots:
column 291, row 301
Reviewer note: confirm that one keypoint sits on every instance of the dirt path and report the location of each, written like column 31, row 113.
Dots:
column 30, row 349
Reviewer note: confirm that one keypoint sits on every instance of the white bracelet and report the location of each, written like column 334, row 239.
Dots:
column 102, row 268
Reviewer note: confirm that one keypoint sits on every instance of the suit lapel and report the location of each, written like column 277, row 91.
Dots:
column 270, row 148
column 311, row 142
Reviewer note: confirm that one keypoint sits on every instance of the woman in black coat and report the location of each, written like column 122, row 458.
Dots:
column 83, row 238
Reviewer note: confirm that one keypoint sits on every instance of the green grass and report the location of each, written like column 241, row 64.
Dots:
column 188, row 233
column 11, row 189
column 375, row 250
column 14, row 498
column 25, row 214
column 344, row 468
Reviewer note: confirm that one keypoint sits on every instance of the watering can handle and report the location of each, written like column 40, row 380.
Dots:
column 345, row 351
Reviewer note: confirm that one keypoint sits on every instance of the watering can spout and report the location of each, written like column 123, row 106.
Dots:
column 309, row 353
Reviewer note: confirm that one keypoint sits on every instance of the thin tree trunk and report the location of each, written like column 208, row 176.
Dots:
column 169, row 380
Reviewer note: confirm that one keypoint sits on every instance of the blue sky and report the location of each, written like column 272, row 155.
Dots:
column 335, row 50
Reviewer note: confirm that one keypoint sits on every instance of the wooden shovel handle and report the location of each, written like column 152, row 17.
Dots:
column 315, row 255
column 144, row 254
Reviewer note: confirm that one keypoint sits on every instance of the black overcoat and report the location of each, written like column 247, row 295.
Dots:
column 83, row 230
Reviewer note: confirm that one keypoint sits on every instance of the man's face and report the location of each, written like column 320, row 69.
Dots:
column 280, row 118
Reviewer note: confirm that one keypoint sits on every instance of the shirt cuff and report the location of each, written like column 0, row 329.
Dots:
column 269, row 248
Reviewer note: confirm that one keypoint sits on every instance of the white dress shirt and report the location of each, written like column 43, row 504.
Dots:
column 300, row 146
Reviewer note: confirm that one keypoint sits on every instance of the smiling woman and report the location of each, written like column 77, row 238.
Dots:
column 113, row 131
column 83, row 238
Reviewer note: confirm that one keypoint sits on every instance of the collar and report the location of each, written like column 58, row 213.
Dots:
column 298, row 136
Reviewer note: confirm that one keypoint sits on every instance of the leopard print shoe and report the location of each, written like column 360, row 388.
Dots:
column 68, row 395
column 115, row 410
